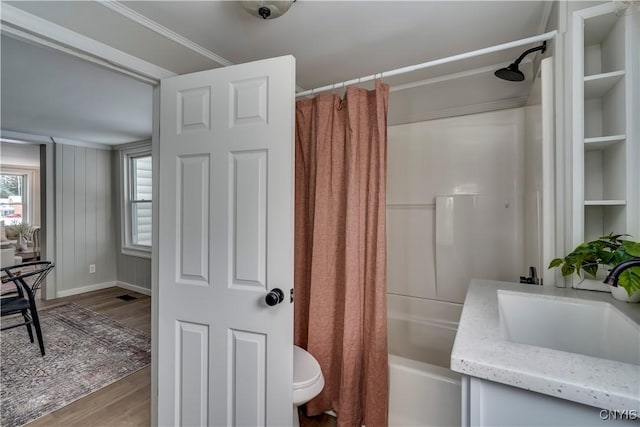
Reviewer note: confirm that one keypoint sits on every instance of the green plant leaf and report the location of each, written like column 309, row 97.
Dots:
column 613, row 237
column 609, row 250
column 606, row 242
column 568, row 269
column 607, row 257
column 592, row 269
column 630, row 280
column 621, row 255
column 578, row 265
column 556, row 262
column 632, row 248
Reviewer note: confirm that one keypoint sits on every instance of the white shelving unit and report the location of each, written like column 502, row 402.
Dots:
column 605, row 202
column 598, row 85
column 605, row 121
column 602, row 142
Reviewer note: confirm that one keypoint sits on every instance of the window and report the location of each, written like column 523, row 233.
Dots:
column 14, row 196
column 140, row 200
column 137, row 205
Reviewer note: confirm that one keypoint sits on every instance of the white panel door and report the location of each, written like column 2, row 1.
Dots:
column 226, row 240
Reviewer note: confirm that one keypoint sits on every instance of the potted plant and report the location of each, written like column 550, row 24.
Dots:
column 607, row 251
column 21, row 228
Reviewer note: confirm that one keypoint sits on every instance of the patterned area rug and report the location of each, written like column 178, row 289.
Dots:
column 85, row 351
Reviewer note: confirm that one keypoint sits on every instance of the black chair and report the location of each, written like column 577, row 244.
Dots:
column 22, row 300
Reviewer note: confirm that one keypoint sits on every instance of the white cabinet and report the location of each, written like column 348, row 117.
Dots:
column 606, row 183
column 488, row 403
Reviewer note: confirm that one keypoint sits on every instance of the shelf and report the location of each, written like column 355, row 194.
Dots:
column 602, row 142
column 605, row 202
column 605, row 60
column 602, row 220
column 597, row 28
column 597, row 85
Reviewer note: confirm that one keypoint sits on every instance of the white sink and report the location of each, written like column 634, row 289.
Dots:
column 591, row 328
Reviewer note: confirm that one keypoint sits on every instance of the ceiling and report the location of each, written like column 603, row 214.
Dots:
column 331, row 40
column 49, row 93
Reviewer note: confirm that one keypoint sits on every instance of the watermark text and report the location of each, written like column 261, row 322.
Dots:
column 619, row 414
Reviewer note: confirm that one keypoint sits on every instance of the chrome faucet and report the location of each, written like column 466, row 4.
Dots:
column 612, row 277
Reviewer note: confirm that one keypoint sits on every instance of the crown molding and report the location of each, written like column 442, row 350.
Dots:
column 76, row 143
column 157, row 28
column 65, row 37
column 160, row 29
column 30, row 138
column 39, row 41
column 33, row 29
column 22, row 138
column 145, row 143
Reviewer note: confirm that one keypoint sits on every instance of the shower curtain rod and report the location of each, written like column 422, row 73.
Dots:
column 411, row 68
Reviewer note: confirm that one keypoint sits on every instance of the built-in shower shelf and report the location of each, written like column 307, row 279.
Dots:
column 597, row 85
column 602, row 142
column 605, row 202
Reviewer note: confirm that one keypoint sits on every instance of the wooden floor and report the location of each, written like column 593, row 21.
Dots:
column 125, row 402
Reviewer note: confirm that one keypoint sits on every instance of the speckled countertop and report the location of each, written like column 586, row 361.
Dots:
column 481, row 351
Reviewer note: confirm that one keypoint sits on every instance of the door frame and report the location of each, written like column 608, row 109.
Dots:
column 35, row 30
column 47, row 196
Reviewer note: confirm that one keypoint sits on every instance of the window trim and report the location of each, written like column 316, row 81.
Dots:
column 28, row 200
column 126, row 155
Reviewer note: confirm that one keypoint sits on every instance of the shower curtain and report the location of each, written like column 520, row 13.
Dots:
column 340, row 250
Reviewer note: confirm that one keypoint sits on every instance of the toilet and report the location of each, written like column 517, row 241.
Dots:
column 308, row 380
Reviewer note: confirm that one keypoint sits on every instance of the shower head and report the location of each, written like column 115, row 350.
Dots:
column 512, row 73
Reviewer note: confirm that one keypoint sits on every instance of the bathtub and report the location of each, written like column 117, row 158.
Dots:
column 423, row 391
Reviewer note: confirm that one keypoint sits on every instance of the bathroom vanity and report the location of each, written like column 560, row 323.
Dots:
column 540, row 355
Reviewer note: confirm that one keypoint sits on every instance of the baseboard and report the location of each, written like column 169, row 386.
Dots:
column 83, row 289
column 134, row 288
column 103, row 285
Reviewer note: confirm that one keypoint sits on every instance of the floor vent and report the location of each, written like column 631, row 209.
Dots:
column 126, row 297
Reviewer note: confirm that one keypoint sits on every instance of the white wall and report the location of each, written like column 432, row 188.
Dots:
column 474, row 154
column 85, row 223
column 26, row 155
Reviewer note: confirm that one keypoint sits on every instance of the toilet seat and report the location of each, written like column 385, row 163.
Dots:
column 306, row 369
column 307, row 376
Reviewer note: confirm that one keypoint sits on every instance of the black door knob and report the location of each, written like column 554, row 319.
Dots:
column 276, row 296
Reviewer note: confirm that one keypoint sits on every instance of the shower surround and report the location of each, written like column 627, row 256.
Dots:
column 482, row 155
